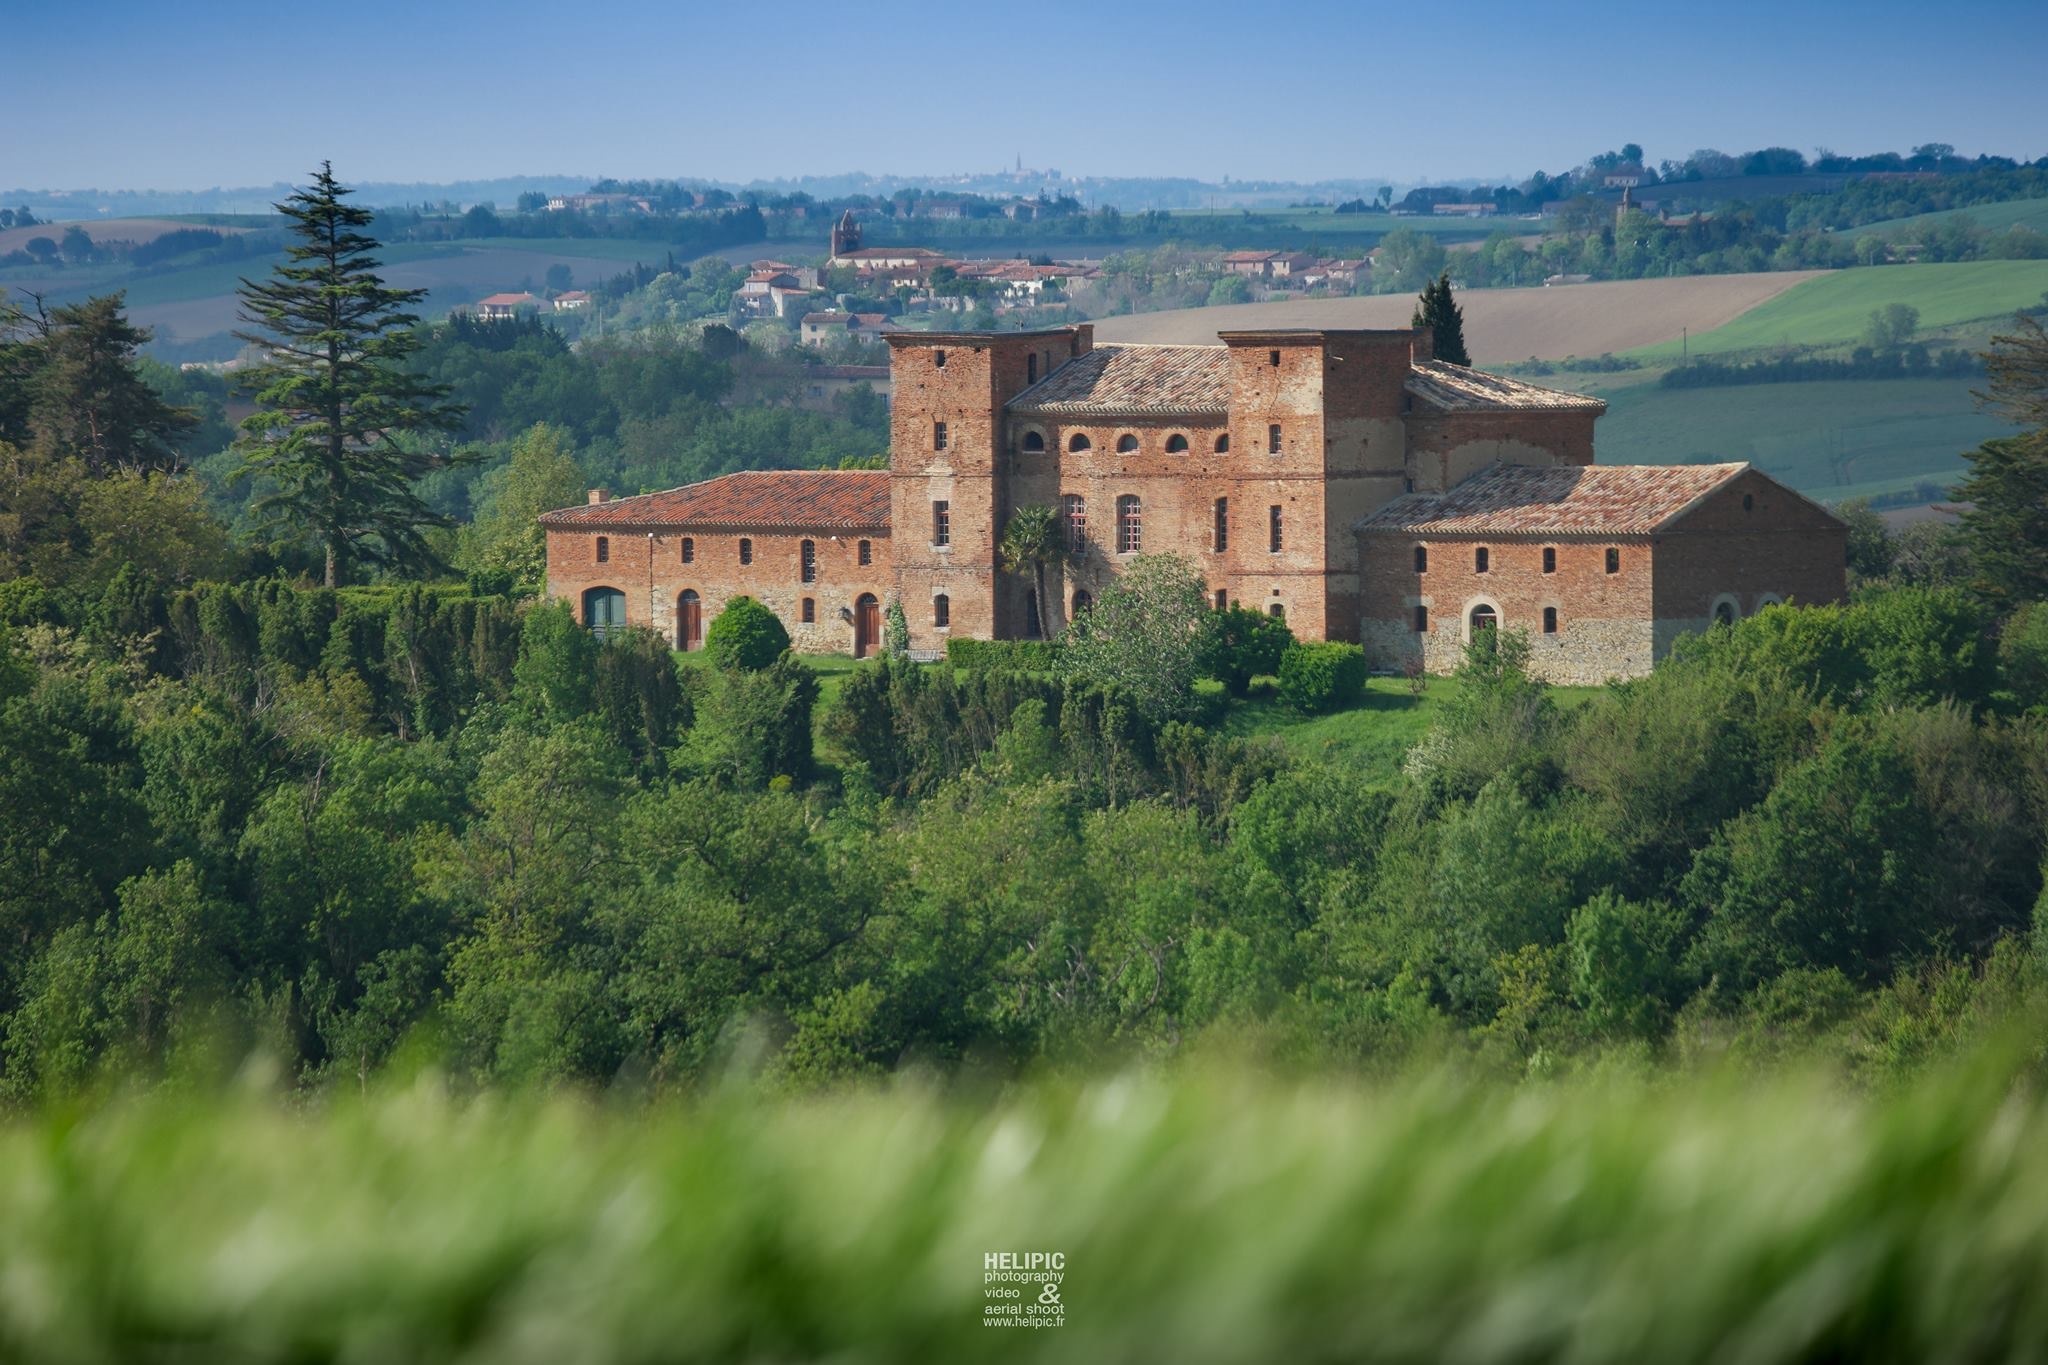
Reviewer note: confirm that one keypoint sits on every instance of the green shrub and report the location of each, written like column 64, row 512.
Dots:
column 1022, row 656
column 746, row 636
column 1318, row 675
column 1242, row 644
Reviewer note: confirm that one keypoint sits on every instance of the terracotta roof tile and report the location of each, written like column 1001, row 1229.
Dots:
column 1456, row 388
column 1618, row 499
column 1175, row 380
column 799, row 499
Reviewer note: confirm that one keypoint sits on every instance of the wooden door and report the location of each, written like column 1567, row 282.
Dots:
column 689, row 621
column 867, row 625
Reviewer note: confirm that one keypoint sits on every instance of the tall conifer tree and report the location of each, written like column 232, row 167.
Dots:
column 335, row 400
column 1438, row 311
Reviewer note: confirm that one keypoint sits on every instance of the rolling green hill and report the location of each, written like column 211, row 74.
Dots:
column 2031, row 213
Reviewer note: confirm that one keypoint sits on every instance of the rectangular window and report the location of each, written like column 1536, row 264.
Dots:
column 1222, row 525
column 1480, row 560
column 1273, row 359
column 689, row 550
column 1031, row 369
column 942, row 522
column 1550, row 620
column 810, row 611
column 867, row 553
column 1422, row 559
column 1273, row 529
column 938, row 436
column 1550, row 559
column 1222, row 599
column 604, row 549
column 1074, row 511
column 1273, row 439
column 1130, row 535
column 746, row 550
column 942, row 610
column 1614, row 561
column 809, row 560
column 1421, row 620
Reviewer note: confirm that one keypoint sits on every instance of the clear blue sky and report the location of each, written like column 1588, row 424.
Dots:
column 143, row 94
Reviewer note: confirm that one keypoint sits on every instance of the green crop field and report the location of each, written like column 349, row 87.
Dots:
column 1824, row 438
column 1834, row 309
column 2032, row 213
column 1205, row 1217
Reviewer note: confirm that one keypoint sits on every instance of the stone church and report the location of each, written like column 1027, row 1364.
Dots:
column 1344, row 480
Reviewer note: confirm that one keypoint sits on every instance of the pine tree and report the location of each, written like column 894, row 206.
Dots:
column 1438, row 311
column 336, row 402
column 2008, row 481
column 90, row 401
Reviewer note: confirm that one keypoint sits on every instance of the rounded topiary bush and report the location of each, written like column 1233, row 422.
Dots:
column 746, row 636
column 1320, row 675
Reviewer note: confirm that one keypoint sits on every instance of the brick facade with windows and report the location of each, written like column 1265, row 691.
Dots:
column 1271, row 461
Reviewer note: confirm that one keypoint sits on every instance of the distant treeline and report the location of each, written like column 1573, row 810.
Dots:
column 1905, row 362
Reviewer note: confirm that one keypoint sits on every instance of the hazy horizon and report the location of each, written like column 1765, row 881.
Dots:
column 248, row 95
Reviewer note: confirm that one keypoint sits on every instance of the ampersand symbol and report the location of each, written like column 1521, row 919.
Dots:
column 1049, row 1295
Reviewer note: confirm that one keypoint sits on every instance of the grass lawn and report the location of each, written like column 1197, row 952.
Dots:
column 1835, row 308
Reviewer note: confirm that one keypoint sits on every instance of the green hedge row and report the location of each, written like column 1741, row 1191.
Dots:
column 1021, row 656
column 1317, row 675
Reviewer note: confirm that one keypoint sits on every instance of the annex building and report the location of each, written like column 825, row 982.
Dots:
column 1344, row 480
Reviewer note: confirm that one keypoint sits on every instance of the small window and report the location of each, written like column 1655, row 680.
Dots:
column 746, row 550
column 1126, row 444
column 1031, row 368
column 1083, row 600
column 1273, row 528
column 1613, row 560
column 1176, row 444
column 1277, row 611
column 867, row 553
column 1273, row 439
column 1222, row 525
column 939, row 359
column 1550, row 559
column 1422, row 559
column 942, row 610
column 1222, row 599
column 604, row 549
column 1421, row 620
column 1273, row 359
column 942, row 522
column 1034, row 443
column 810, row 611
column 1079, row 442
column 1748, row 502
column 1550, row 620
column 1724, row 613
column 938, row 436
column 689, row 550
column 1481, row 561
column 1074, row 512
column 1129, row 525
column 1223, row 444
column 809, row 561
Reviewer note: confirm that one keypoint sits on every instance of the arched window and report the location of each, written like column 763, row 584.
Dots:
column 1176, row 444
column 1550, row 559
column 1223, row 444
column 689, row 550
column 746, row 550
column 1083, row 600
column 1034, row 443
column 1127, row 444
column 867, row 553
column 808, row 560
column 1724, row 613
column 604, row 610
column 1078, row 442
column 1483, row 617
column 604, row 549
column 1422, row 559
column 1074, row 512
column 942, row 610
column 810, row 611
column 1550, row 620
column 1130, row 534
column 1481, row 560
column 689, row 621
column 1277, row 612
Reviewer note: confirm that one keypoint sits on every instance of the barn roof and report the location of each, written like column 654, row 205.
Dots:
column 796, row 499
column 1621, row 499
column 1171, row 380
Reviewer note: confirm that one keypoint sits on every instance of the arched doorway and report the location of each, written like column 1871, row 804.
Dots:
column 1082, row 600
column 1724, row 613
column 689, row 621
column 867, row 625
column 1483, row 617
column 604, row 610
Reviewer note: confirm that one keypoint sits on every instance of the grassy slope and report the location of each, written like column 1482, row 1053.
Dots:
column 2031, row 213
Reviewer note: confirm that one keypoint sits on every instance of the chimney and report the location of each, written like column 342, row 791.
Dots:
column 596, row 496
column 1421, row 345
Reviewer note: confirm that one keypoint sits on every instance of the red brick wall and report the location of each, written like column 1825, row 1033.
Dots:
column 1780, row 546
column 1444, row 449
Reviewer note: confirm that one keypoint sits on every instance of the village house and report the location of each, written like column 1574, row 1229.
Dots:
column 1345, row 481
column 819, row 328
column 570, row 300
column 1253, row 265
column 499, row 307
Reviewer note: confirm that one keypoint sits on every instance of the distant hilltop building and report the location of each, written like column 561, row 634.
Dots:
column 502, row 306
column 1345, row 481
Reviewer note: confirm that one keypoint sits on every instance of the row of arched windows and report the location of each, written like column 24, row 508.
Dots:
column 1177, row 443
column 1482, row 559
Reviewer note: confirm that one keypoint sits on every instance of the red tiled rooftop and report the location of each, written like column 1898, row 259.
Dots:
column 1458, row 388
column 1619, row 499
column 798, row 499
column 1176, row 380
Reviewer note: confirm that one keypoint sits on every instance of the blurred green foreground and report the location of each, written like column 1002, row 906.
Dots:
column 1208, row 1217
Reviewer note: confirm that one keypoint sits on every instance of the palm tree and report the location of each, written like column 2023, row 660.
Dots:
column 1031, row 543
